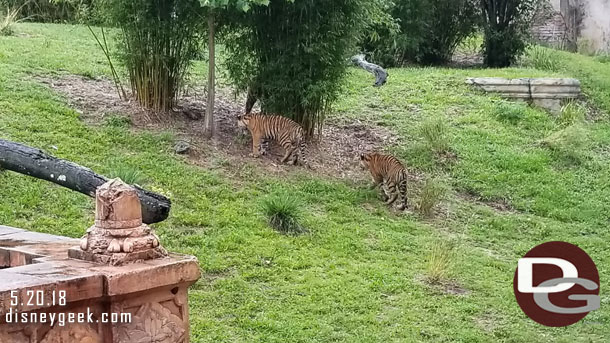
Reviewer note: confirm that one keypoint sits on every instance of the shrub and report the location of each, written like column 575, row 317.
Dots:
column 128, row 174
column 283, row 214
column 542, row 58
column 434, row 131
column 426, row 32
column 431, row 195
column 75, row 11
column 159, row 39
column 439, row 260
column 292, row 55
column 506, row 26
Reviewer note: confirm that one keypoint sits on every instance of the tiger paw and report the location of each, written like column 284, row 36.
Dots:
column 254, row 155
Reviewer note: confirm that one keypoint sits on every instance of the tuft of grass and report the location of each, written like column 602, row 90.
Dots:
column 128, row 174
column 510, row 111
column 542, row 58
column 283, row 213
column 572, row 113
column 435, row 133
column 9, row 18
column 569, row 143
column 117, row 121
column 431, row 195
column 439, row 260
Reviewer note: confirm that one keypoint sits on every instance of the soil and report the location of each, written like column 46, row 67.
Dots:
column 334, row 154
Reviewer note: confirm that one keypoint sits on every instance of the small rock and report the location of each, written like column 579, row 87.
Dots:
column 182, row 147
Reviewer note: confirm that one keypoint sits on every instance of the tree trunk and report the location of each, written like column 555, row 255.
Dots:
column 209, row 112
column 34, row 162
column 381, row 75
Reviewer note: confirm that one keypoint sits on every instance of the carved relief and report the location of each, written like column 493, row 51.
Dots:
column 118, row 235
column 16, row 337
column 72, row 333
column 152, row 323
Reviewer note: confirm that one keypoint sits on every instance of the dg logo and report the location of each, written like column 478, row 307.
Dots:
column 557, row 284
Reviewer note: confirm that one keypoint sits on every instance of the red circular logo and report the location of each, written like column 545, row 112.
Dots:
column 556, row 284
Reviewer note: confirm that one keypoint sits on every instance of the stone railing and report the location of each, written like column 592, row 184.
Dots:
column 118, row 282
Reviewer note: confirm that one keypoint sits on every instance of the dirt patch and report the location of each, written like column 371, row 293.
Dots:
column 501, row 205
column 444, row 286
column 335, row 154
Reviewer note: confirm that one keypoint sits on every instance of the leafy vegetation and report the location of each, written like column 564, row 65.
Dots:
column 292, row 55
column 159, row 40
column 434, row 131
column 506, row 24
column 283, row 213
column 426, row 32
column 356, row 276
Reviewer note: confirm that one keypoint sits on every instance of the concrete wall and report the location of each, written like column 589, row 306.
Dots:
column 582, row 24
column 595, row 27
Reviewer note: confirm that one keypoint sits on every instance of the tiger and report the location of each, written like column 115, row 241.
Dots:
column 388, row 173
column 288, row 133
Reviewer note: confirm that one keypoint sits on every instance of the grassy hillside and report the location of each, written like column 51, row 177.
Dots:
column 516, row 177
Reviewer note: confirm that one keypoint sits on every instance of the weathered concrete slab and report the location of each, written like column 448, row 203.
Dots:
column 544, row 92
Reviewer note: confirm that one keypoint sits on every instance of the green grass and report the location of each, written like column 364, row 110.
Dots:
column 356, row 277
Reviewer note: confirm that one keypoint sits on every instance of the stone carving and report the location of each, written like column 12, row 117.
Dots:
column 118, row 235
column 72, row 333
column 152, row 323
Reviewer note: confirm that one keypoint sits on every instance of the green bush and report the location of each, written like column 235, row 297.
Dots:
column 292, row 55
column 506, row 25
column 426, row 32
column 542, row 58
column 159, row 40
column 73, row 11
column 283, row 213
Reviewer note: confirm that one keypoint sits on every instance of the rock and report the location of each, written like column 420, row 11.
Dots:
column 182, row 147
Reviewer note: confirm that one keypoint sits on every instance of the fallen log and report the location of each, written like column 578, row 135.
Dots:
column 36, row 163
column 381, row 75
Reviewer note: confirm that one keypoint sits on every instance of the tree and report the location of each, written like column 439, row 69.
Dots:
column 158, row 41
column 211, row 7
column 506, row 26
column 292, row 55
column 422, row 31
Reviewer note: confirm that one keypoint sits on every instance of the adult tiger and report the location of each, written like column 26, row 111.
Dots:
column 389, row 173
column 289, row 134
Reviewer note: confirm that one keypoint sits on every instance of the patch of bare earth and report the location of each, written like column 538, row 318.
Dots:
column 334, row 154
column 444, row 286
column 500, row 205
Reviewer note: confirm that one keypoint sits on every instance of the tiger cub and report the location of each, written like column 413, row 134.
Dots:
column 387, row 172
column 286, row 132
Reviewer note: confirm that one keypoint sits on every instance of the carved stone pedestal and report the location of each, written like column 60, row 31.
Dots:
column 123, row 284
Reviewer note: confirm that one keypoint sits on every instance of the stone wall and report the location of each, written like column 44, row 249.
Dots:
column 582, row 25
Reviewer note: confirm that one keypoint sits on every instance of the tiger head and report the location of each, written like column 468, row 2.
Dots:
column 243, row 120
column 365, row 160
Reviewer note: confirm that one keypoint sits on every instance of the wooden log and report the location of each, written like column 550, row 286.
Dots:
column 36, row 163
column 381, row 75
